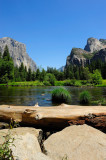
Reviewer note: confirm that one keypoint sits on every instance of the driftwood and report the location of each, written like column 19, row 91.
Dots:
column 56, row 116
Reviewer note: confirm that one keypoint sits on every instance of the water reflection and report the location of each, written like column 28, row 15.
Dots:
column 29, row 96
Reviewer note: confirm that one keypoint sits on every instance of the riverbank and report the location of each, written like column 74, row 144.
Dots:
column 76, row 83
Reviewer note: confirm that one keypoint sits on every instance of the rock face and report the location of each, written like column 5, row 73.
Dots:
column 17, row 52
column 78, row 57
column 26, row 143
column 103, row 41
column 100, row 55
column 95, row 49
column 94, row 44
column 77, row 143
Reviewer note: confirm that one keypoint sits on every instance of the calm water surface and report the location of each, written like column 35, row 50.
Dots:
column 29, row 96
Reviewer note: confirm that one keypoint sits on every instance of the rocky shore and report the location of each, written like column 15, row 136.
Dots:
column 56, row 133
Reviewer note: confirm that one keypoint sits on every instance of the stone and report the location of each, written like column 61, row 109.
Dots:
column 17, row 52
column 26, row 145
column 94, row 45
column 41, row 156
column 100, row 55
column 77, row 143
column 4, row 125
column 95, row 49
column 78, row 57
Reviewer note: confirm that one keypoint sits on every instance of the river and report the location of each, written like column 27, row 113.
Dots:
column 29, row 96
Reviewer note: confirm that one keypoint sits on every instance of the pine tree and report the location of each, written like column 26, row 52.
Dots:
column 29, row 75
column 6, row 55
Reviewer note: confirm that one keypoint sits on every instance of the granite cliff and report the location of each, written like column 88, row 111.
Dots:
column 17, row 52
column 94, row 44
column 94, row 49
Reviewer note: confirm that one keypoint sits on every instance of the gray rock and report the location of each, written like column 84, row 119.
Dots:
column 17, row 52
column 61, row 69
column 103, row 41
column 95, row 49
column 77, row 143
column 100, row 55
column 94, row 45
column 78, row 57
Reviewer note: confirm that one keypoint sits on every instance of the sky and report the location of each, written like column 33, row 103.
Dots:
column 51, row 28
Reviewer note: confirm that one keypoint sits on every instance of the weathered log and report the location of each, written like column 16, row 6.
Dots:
column 54, row 117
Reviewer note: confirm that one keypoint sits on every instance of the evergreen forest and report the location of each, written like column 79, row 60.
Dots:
column 92, row 73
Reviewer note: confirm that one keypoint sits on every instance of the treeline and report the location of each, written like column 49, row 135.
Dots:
column 8, row 72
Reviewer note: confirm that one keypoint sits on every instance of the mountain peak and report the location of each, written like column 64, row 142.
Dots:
column 17, row 52
column 93, row 45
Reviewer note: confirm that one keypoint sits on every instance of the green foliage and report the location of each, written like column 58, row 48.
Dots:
column 29, row 83
column 5, row 150
column 4, row 79
column 101, row 102
column 70, row 77
column 103, row 83
column 61, row 95
column 6, row 54
column 29, row 75
column 59, row 83
column 67, row 82
column 85, row 97
column 42, row 75
column 96, row 77
column 50, row 78
column 6, row 67
column 78, row 84
column 0, row 55
column 7, row 143
column 38, row 74
column 46, row 83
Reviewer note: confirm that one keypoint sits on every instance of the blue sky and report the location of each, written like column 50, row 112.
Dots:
column 51, row 28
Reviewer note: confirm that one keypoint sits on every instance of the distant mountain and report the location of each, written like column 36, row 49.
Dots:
column 94, row 49
column 17, row 52
column 61, row 69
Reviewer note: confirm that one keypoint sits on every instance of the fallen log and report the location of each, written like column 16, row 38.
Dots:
column 55, row 116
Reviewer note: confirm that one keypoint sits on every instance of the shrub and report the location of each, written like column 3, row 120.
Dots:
column 96, row 77
column 46, row 83
column 61, row 95
column 50, row 78
column 85, row 97
column 67, row 83
column 78, row 83
column 59, row 83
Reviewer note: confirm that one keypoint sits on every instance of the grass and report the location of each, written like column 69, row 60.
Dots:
column 85, row 97
column 26, row 83
column 61, row 95
column 101, row 102
column 103, row 84
column 73, row 82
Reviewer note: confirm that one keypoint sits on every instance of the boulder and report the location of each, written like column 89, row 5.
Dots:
column 77, row 143
column 26, row 145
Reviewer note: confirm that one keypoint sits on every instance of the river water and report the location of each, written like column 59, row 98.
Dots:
column 29, row 96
